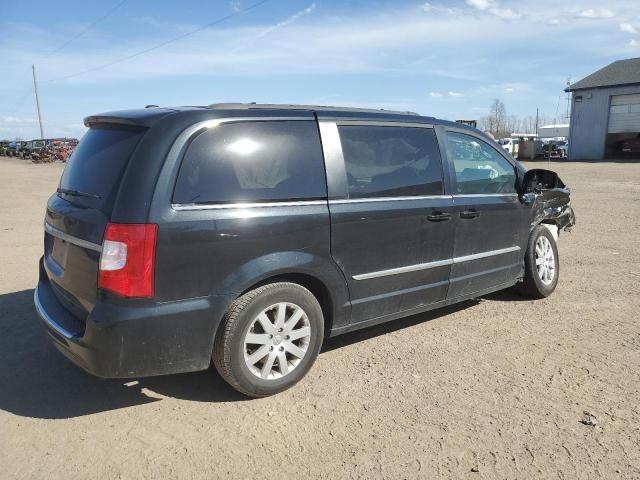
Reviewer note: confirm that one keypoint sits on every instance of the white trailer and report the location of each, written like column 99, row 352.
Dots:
column 554, row 131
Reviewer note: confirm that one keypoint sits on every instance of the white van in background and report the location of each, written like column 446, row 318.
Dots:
column 507, row 144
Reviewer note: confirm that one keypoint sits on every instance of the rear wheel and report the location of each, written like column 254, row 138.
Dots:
column 269, row 339
column 541, row 265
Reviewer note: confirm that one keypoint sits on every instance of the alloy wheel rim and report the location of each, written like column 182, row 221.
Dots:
column 545, row 260
column 277, row 341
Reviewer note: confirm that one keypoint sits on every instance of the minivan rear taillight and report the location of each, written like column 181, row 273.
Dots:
column 128, row 259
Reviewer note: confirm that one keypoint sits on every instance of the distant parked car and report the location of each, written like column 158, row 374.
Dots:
column 507, row 144
column 632, row 145
column 33, row 149
column 15, row 149
column 556, row 149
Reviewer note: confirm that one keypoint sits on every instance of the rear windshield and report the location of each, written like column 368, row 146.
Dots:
column 92, row 174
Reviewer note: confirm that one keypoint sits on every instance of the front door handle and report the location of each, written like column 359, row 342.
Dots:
column 439, row 217
column 471, row 213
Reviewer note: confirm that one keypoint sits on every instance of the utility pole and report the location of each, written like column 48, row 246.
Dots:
column 537, row 120
column 35, row 87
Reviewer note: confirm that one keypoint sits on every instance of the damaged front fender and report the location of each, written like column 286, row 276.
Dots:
column 551, row 205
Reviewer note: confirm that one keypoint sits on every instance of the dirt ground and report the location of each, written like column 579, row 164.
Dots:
column 493, row 388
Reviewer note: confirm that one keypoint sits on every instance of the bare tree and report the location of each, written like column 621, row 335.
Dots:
column 497, row 114
column 501, row 125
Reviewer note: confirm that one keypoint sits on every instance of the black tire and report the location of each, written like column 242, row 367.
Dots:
column 229, row 347
column 532, row 285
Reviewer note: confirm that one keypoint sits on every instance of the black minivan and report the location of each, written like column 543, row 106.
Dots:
column 246, row 234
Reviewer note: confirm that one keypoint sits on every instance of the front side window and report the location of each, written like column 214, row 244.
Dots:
column 480, row 169
column 253, row 162
column 391, row 161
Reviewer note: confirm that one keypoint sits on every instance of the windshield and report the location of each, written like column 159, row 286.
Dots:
column 92, row 174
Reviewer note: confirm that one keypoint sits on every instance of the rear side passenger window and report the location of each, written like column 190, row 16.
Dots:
column 253, row 162
column 480, row 169
column 391, row 161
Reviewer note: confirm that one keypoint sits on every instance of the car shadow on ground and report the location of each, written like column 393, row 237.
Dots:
column 37, row 381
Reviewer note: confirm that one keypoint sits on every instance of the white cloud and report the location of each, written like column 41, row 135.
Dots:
column 505, row 13
column 430, row 8
column 509, row 90
column 482, row 4
column 555, row 21
column 455, row 94
column 17, row 120
column 627, row 27
column 492, row 7
column 596, row 13
column 435, row 94
column 634, row 43
column 288, row 21
column 235, row 6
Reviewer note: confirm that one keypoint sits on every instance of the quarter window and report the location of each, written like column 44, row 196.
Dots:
column 391, row 161
column 253, row 162
column 479, row 167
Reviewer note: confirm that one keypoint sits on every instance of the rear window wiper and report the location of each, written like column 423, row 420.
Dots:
column 77, row 193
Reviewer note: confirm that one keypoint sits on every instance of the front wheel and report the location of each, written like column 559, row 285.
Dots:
column 541, row 265
column 269, row 339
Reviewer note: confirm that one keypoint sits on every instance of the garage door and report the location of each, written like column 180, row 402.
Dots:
column 624, row 114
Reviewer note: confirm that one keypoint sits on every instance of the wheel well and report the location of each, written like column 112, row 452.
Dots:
column 315, row 286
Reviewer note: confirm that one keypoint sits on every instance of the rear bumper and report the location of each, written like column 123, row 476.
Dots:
column 118, row 341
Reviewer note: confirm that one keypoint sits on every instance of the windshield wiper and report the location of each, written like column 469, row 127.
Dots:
column 77, row 193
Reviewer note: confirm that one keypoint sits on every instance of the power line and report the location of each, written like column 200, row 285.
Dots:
column 47, row 56
column 51, row 54
column 162, row 44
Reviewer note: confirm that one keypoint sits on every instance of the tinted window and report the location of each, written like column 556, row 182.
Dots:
column 252, row 162
column 479, row 167
column 97, row 164
column 391, row 161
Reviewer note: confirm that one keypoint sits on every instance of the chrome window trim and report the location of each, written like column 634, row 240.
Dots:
column 220, row 206
column 206, row 124
column 479, row 195
column 71, row 239
column 379, row 123
column 437, row 263
column 48, row 320
column 390, row 199
column 301, row 203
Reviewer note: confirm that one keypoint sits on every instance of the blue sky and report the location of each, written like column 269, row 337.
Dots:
column 444, row 58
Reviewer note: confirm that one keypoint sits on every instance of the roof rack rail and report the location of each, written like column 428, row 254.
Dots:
column 319, row 108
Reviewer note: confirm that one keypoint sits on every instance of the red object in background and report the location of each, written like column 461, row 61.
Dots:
column 632, row 145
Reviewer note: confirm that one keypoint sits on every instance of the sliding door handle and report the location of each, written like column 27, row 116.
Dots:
column 439, row 217
column 471, row 213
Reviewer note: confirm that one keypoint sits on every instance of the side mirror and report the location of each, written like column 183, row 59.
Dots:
column 538, row 179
